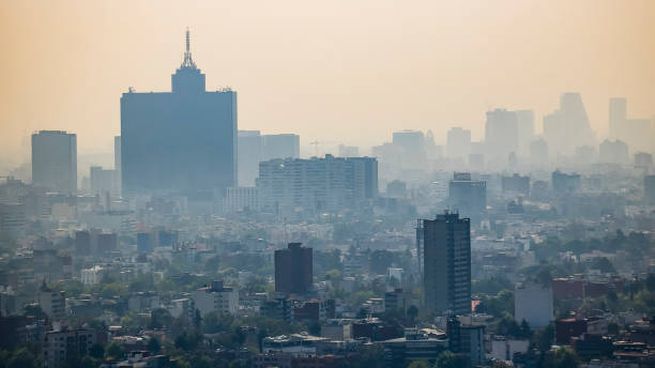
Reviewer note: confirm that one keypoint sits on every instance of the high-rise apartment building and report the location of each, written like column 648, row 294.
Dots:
column 649, row 189
column 447, row 264
column 294, row 269
column 250, row 154
column 316, row 185
column 54, row 160
column 184, row 141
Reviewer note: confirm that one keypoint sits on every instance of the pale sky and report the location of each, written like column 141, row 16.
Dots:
column 348, row 71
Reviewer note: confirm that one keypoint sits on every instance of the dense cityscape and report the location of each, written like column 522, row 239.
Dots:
column 209, row 246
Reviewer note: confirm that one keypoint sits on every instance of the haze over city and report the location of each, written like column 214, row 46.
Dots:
column 327, row 184
column 343, row 71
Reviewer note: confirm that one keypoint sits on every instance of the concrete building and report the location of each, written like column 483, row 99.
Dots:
column 216, row 298
column 184, row 141
column 447, row 264
column 91, row 276
column 564, row 183
column 61, row 345
column 533, row 303
column 241, row 199
column 636, row 133
column 54, row 160
column 294, row 269
column 649, row 189
column 292, row 186
column 250, row 154
column 104, row 182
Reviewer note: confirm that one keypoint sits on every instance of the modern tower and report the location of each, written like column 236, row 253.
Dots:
column 54, row 160
column 294, row 269
column 447, row 264
column 184, row 141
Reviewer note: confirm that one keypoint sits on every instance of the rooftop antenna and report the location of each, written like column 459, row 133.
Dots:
column 188, row 61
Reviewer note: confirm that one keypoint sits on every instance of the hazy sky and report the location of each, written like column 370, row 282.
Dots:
column 347, row 71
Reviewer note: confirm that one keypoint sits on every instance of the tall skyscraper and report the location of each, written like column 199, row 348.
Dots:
column 501, row 135
column 568, row 127
column 54, row 160
column 294, row 269
column 447, row 264
column 184, row 141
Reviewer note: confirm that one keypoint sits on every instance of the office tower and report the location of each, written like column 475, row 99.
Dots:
column 501, row 135
column 292, row 186
column 63, row 346
column 348, row 151
column 525, row 120
column 467, row 196
column 184, row 141
column 280, row 146
column 533, row 303
column 117, row 163
column 447, row 264
column 54, row 160
column 294, row 269
column 613, row 152
column 103, row 181
column 649, row 188
column 250, row 154
column 458, row 143
column 568, row 127
column 516, row 184
column 565, row 183
column 636, row 133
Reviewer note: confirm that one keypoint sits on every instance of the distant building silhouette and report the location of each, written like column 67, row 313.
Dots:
column 458, row 143
column 649, row 188
column 568, row 127
column 255, row 147
column 501, row 135
column 447, row 264
column 613, row 152
column 565, row 183
column 280, row 146
column 184, row 141
column 636, row 133
column 54, row 160
column 294, row 269
column 539, row 152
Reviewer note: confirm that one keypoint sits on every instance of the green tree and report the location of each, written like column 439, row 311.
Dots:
column 418, row 364
column 114, row 351
column 154, row 346
column 97, row 351
column 448, row 359
column 22, row 358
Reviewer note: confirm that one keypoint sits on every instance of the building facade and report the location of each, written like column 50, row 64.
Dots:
column 184, row 141
column 54, row 160
column 294, row 269
column 447, row 264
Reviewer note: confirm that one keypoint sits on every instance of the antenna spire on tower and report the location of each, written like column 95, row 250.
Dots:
column 188, row 61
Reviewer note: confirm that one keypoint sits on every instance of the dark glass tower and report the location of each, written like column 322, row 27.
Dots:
column 447, row 264
column 294, row 269
column 184, row 141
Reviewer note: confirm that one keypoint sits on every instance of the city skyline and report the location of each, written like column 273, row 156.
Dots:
column 431, row 66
